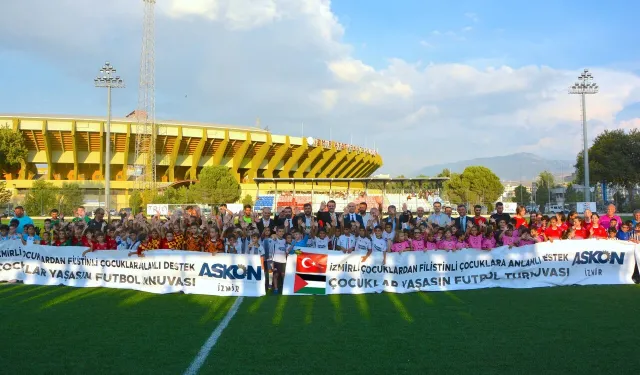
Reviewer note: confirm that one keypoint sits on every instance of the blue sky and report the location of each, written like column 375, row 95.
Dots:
column 482, row 77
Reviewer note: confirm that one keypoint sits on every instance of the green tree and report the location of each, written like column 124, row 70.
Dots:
column 70, row 196
column 476, row 184
column 613, row 157
column 571, row 195
column 522, row 195
column 41, row 198
column 247, row 200
column 445, row 173
column 135, row 201
column 545, row 182
column 216, row 185
column 13, row 149
column 5, row 194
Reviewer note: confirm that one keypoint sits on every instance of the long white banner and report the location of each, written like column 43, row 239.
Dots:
column 586, row 262
column 160, row 271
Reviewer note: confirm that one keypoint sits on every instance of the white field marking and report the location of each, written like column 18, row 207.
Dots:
column 198, row 361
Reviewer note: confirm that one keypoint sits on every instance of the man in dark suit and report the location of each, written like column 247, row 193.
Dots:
column 461, row 221
column 352, row 216
column 285, row 219
column 305, row 218
column 265, row 221
column 326, row 217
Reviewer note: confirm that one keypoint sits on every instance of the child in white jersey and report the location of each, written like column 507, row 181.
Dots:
column 346, row 242
column 389, row 233
column 363, row 242
column 322, row 240
column 279, row 255
column 379, row 244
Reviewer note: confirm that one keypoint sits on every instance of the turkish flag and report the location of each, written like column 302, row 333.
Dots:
column 311, row 263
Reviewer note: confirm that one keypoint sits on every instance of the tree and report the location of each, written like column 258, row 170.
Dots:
column 572, row 195
column 70, row 196
column 445, row 173
column 522, row 195
column 13, row 149
column 216, row 185
column 476, row 184
column 135, row 201
column 247, row 200
column 41, row 198
column 5, row 194
column 544, row 182
column 613, row 157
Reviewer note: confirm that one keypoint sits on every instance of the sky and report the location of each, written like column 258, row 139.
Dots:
column 426, row 82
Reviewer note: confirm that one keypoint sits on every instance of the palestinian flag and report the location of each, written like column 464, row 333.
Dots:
column 309, row 284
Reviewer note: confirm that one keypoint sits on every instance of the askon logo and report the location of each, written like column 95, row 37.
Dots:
column 231, row 272
column 598, row 257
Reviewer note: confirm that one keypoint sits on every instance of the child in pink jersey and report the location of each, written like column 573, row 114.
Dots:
column 448, row 242
column 462, row 242
column 525, row 237
column 507, row 237
column 430, row 242
column 417, row 243
column 488, row 239
column 537, row 236
column 474, row 240
column 401, row 243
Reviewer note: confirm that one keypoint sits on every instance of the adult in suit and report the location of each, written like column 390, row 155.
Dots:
column 461, row 221
column 265, row 221
column 328, row 216
column 351, row 216
column 305, row 219
column 285, row 219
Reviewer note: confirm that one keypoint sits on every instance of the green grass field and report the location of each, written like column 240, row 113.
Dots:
column 581, row 330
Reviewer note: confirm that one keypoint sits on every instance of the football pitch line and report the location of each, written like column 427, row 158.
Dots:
column 202, row 355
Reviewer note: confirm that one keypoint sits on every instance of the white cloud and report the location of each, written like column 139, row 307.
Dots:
column 426, row 44
column 286, row 62
column 467, row 29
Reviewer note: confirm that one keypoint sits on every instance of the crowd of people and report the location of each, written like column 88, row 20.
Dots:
column 357, row 228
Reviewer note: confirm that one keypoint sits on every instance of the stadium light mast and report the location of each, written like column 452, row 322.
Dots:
column 109, row 80
column 146, row 130
column 585, row 86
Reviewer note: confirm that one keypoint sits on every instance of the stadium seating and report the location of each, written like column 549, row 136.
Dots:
column 264, row 201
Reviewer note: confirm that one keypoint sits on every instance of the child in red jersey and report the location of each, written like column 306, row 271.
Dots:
column 553, row 232
column 169, row 242
column 595, row 229
column 46, row 239
column 110, row 238
column 580, row 232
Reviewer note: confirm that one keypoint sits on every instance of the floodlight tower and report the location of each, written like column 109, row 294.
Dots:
column 109, row 80
column 584, row 86
column 145, row 158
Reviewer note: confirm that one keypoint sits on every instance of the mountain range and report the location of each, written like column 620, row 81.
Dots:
column 515, row 167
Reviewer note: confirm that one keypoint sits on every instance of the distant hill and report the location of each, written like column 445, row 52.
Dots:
column 515, row 167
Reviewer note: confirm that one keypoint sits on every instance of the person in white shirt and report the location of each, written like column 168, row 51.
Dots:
column 363, row 242
column 362, row 210
column 438, row 217
column 346, row 242
column 379, row 244
column 389, row 233
column 322, row 240
column 255, row 247
column 279, row 255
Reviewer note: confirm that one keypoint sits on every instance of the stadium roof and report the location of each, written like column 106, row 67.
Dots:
column 33, row 116
column 364, row 180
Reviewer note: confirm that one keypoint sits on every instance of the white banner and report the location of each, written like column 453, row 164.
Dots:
column 158, row 209
column 161, row 271
column 574, row 262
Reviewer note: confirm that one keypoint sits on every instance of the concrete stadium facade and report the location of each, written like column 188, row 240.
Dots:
column 73, row 150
